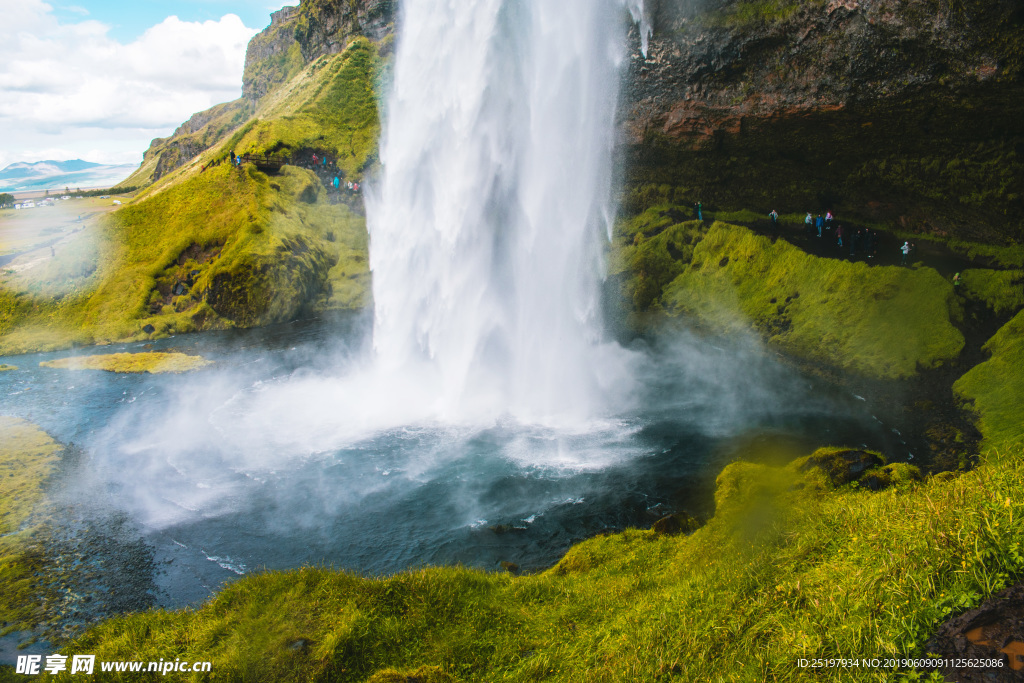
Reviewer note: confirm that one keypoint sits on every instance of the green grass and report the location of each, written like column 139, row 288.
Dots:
column 27, row 458
column 877, row 321
column 1002, row 291
column 151, row 362
column 996, row 387
column 747, row 14
column 336, row 114
column 256, row 250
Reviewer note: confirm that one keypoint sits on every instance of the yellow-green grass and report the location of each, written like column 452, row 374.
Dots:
column 4, row 367
column 257, row 250
column 787, row 568
column 884, row 322
column 27, row 458
column 333, row 109
column 996, row 387
column 252, row 249
column 149, row 361
column 1000, row 290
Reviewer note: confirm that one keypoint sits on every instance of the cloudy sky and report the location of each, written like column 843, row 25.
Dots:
column 98, row 79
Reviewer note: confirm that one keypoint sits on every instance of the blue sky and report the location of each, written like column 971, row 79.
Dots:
column 127, row 21
column 99, row 79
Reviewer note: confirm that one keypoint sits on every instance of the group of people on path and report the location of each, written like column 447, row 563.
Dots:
column 325, row 168
column 862, row 240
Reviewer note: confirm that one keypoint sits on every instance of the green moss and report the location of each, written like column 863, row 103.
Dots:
column 6, row 368
column 28, row 456
column 876, row 321
column 152, row 362
column 652, row 249
column 224, row 247
column 1002, row 291
column 996, row 387
column 424, row 674
column 747, row 14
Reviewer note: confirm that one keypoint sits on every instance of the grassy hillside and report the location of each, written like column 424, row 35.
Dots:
column 210, row 245
column 996, row 387
column 884, row 322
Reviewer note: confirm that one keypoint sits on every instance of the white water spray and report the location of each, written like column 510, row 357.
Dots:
column 487, row 230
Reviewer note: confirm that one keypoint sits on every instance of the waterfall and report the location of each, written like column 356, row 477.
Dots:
column 489, row 223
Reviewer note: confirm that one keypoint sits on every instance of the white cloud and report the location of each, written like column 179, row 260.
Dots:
column 69, row 86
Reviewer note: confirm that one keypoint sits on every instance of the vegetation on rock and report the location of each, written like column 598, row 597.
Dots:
column 152, row 362
column 996, row 387
column 878, row 321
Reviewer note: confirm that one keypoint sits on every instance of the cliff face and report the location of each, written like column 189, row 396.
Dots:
column 298, row 35
column 900, row 111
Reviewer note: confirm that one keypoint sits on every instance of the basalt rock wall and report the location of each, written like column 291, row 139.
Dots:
column 906, row 112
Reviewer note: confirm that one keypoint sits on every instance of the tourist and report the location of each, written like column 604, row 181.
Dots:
column 839, row 236
column 828, row 220
column 906, row 252
column 809, row 223
column 956, row 282
column 818, row 223
column 774, row 218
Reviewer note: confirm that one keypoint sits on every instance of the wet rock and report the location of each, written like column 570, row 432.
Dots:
column 896, row 474
column 843, row 466
column 149, row 329
column 992, row 631
column 680, row 523
column 300, row 645
column 510, row 567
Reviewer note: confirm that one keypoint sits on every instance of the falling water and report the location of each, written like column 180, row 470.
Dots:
column 489, row 225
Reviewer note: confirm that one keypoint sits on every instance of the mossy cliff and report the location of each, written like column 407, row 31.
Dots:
column 900, row 112
column 296, row 37
column 875, row 321
column 211, row 245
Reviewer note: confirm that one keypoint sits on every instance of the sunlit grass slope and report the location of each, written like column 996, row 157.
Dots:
column 210, row 245
column 876, row 321
column 330, row 107
column 27, row 458
column 996, row 387
column 226, row 247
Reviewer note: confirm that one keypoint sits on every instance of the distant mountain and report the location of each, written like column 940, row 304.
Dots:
column 56, row 175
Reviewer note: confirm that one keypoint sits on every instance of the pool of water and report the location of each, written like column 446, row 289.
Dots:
column 266, row 459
